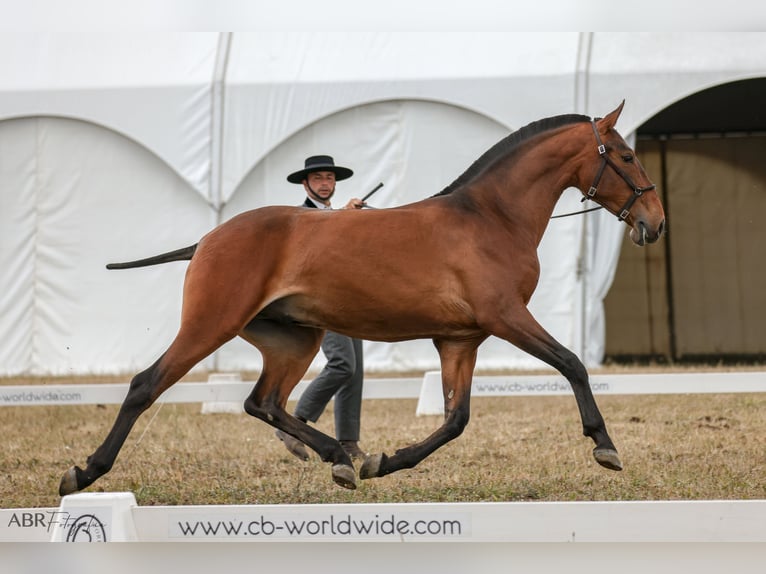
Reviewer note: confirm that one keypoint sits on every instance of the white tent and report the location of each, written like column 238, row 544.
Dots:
column 118, row 146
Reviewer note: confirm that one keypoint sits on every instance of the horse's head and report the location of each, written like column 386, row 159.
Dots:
column 620, row 183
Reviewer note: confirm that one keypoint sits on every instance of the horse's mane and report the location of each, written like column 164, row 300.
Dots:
column 509, row 143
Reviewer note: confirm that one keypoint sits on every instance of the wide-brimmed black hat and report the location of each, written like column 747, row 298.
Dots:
column 320, row 163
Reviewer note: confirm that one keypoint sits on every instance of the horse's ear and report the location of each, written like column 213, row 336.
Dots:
column 608, row 123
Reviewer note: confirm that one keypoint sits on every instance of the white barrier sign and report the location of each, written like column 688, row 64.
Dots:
column 99, row 517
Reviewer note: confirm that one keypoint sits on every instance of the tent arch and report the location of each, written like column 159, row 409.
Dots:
column 354, row 125
column 356, row 105
column 112, row 128
column 75, row 196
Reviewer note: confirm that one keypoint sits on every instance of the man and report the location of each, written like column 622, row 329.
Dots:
column 343, row 373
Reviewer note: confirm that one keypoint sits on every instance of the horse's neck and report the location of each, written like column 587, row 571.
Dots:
column 525, row 191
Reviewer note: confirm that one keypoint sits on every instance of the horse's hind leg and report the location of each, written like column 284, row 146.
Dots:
column 288, row 350
column 185, row 351
column 458, row 359
column 527, row 334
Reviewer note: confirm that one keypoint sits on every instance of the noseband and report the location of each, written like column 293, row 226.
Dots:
column 606, row 160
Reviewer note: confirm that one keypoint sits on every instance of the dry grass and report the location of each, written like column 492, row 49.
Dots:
column 673, row 447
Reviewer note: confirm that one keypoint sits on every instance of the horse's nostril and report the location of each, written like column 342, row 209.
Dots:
column 661, row 228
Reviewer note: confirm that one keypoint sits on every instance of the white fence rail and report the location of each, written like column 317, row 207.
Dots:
column 401, row 388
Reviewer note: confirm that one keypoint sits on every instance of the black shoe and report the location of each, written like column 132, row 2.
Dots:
column 352, row 449
column 293, row 445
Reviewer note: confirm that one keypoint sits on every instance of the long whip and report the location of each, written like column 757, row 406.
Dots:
column 376, row 188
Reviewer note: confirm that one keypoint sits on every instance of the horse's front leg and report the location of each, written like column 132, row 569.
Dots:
column 528, row 335
column 457, row 361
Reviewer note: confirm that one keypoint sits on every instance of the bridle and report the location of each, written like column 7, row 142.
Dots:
column 606, row 160
column 591, row 193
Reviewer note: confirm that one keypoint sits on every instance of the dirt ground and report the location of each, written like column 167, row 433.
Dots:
column 514, row 448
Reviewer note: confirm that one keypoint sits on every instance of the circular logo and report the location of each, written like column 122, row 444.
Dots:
column 86, row 528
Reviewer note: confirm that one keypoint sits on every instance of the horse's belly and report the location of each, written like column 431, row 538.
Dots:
column 378, row 322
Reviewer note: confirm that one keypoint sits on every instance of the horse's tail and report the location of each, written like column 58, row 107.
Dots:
column 184, row 254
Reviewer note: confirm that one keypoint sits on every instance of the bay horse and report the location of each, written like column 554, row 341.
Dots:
column 456, row 267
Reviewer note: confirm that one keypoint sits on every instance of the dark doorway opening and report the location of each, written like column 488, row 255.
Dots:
column 700, row 294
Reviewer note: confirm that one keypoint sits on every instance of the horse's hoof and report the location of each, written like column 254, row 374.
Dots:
column 370, row 466
column 344, row 476
column 68, row 483
column 607, row 457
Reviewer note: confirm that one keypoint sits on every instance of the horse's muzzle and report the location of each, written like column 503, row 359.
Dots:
column 641, row 233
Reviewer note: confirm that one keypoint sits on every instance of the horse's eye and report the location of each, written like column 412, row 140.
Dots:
column 627, row 158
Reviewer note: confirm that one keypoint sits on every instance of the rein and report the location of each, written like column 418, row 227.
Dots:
column 606, row 160
column 577, row 212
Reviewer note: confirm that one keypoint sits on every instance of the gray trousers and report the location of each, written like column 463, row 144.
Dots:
column 341, row 377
